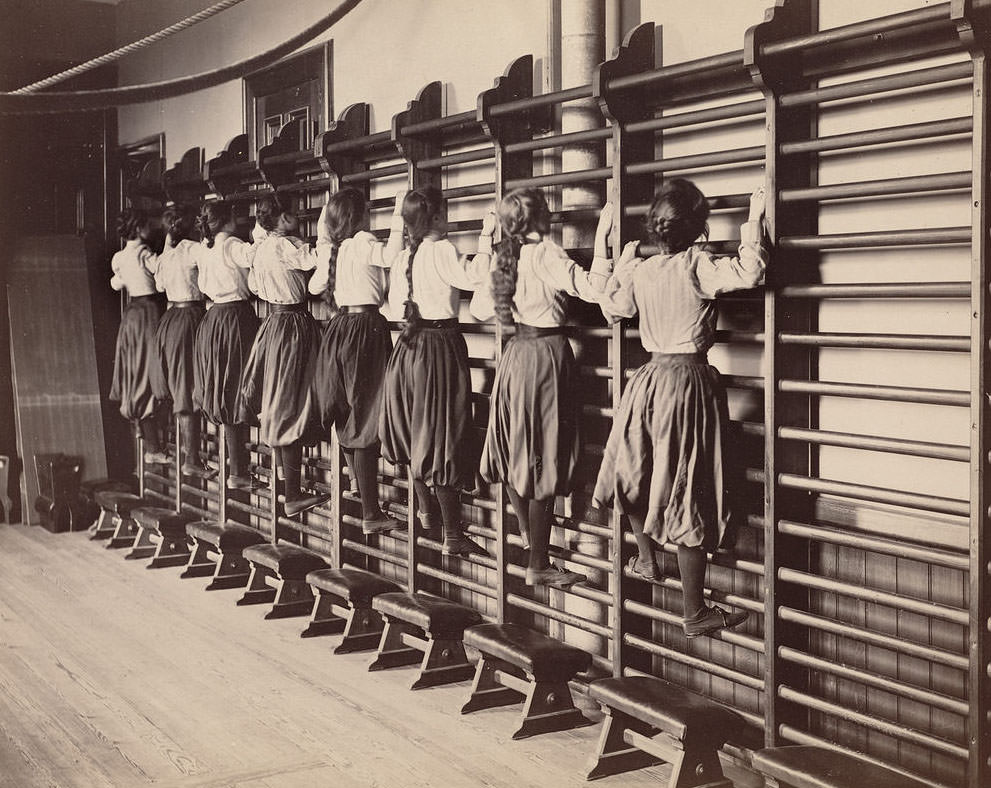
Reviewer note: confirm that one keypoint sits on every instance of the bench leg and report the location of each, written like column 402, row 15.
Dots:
column 444, row 662
column 362, row 631
column 124, row 533
column 294, row 598
column 172, row 551
column 324, row 621
column 693, row 765
column 103, row 527
column 233, row 571
column 198, row 563
column 393, row 652
column 258, row 591
column 549, row 708
column 143, row 545
column 487, row 692
column 615, row 756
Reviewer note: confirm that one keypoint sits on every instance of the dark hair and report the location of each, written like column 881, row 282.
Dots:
column 419, row 209
column 267, row 212
column 521, row 212
column 129, row 223
column 212, row 218
column 677, row 216
column 345, row 215
column 179, row 221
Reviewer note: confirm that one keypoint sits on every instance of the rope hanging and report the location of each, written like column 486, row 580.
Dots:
column 76, row 101
column 117, row 54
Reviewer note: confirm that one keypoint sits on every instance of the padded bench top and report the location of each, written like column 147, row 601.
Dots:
column 289, row 561
column 161, row 520
column 229, row 537
column 806, row 766
column 673, row 709
column 92, row 486
column 534, row 652
column 432, row 614
column 118, row 502
column 355, row 586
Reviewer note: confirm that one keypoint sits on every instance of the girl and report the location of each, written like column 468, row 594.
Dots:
column 663, row 462
column 532, row 440
column 136, row 352
column 226, row 333
column 276, row 382
column 426, row 408
column 352, row 274
column 173, row 379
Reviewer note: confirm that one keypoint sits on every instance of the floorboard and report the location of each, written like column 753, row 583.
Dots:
column 115, row 675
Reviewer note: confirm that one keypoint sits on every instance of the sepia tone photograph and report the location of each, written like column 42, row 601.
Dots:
column 531, row 393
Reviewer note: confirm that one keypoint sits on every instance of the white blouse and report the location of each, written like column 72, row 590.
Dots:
column 224, row 269
column 362, row 275
column 674, row 293
column 177, row 271
column 134, row 269
column 545, row 274
column 438, row 274
column 278, row 271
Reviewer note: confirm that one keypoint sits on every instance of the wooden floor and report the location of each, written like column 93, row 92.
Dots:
column 115, row 675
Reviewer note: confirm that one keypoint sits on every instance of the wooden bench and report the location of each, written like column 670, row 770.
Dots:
column 87, row 493
column 344, row 604
column 519, row 664
column 425, row 629
column 115, row 518
column 278, row 575
column 806, row 766
column 217, row 551
column 649, row 721
column 161, row 536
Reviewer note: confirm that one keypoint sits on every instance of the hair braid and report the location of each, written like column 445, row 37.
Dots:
column 420, row 207
column 521, row 212
column 344, row 216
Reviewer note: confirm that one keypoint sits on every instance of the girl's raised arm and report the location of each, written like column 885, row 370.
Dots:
column 616, row 299
column 717, row 275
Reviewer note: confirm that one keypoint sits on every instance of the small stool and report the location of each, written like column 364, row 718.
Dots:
column 425, row 629
column 807, row 766
column 161, row 536
column 344, row 604
column 278, row 575
column 217, row 552
column 90, row 508
column 519, row 664
column 649, row 721
column 115, row 518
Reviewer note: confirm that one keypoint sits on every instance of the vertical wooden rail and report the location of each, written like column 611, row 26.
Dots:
column 178, row 462
column 516, row 83
column 352, row 124
column 428, row 105
column 222, row 477
column 774, row 76
column 636, row 55
column 974, row 28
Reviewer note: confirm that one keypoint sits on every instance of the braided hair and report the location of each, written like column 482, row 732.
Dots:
column 521, row 212
column 179, row 221
column 212, row 219
column 678, row 216
column 129, row 223
column 345, row 215
column 419, row 209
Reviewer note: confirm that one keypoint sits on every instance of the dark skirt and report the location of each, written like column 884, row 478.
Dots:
column 135, row 355
column 173, row 374
column 223, row 343
column 532, row 441
column 278, row 377
column 350, row 376
column 664, row 456
column 426, row 409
